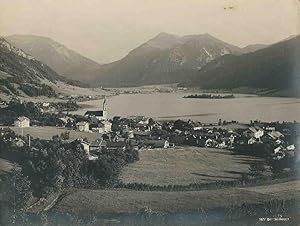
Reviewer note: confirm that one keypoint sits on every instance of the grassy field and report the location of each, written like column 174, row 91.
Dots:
column 83, row 201
column 48, row 132
column 183, row 166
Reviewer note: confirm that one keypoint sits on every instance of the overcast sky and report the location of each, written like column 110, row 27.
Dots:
column 105, row 30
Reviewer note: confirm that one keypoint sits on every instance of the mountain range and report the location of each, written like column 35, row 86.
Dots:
column 166, row 58
column 275, row 67
column 61, row 59
column 192, row 60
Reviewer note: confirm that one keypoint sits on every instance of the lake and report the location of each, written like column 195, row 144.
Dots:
column 243, row 108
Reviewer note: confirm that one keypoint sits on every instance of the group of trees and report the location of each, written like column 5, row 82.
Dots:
column 41, row 90
column 7, row 87
column 17, row 108
column 15, row 194
column 52, row 165
column 210, row 96
column 49, row 165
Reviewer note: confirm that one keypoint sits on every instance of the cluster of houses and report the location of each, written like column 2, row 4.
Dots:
column 278, row 141
column 139, row 132
column 129, row 133
column 7, row 135
column 95, row 121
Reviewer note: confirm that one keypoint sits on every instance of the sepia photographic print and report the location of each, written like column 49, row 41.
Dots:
column 149, row 112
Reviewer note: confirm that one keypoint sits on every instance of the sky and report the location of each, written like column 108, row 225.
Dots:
column 106, row 30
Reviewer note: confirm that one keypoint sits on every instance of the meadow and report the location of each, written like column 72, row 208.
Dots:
column 186, row 165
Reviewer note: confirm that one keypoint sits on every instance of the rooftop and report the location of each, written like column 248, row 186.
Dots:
column 95, row 113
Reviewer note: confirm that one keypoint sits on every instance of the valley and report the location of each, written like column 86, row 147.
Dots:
column 86, row 138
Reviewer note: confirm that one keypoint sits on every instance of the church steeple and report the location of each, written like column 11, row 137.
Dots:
column 104, row 107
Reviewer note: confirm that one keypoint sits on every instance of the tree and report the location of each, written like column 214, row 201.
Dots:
column 65, row 135
column 151, row 122
column 180, row 124
column 220, row 122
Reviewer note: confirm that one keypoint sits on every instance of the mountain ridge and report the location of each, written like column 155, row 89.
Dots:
column 274, row 67
column 166, row 58
column 60, row 58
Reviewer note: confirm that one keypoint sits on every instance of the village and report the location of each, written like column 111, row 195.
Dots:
column 272, row 139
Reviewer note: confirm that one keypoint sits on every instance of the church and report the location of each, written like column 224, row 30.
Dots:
column 100, row 115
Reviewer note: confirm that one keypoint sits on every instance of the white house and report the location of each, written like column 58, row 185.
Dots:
column 254, row 133
column 83, row 126
column 46, row 104
column 22, row 122
column 106, row 126
column 101, row 127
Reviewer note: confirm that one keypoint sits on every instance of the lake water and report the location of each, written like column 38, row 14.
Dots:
column 243, row 108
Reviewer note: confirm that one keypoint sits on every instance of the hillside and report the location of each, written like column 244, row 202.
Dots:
column 166, row 58
column 63, row 60
column 254, row 47
column 22, row 73
column 276, row 68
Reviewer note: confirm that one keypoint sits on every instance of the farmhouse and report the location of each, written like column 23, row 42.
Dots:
column 83, row 126
column 22, row 122
column 101, row 127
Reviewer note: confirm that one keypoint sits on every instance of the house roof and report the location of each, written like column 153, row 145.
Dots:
column 137, row 117
column 195, row 124
column 84, row 142
column 252, row 129
column 94, row 125
column 82, row 123
column 95, row 113
column 23, row 118
column 275, row 134
column 98, row 143
column 103, row 123
column 20, row 140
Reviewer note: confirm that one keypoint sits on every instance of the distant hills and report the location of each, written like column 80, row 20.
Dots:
column 275, row 67
column 166, row 58
column 61, row 59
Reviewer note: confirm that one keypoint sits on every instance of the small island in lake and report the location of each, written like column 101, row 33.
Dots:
column 210, row 96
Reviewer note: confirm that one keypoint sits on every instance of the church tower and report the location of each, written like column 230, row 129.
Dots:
column 104, row 108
